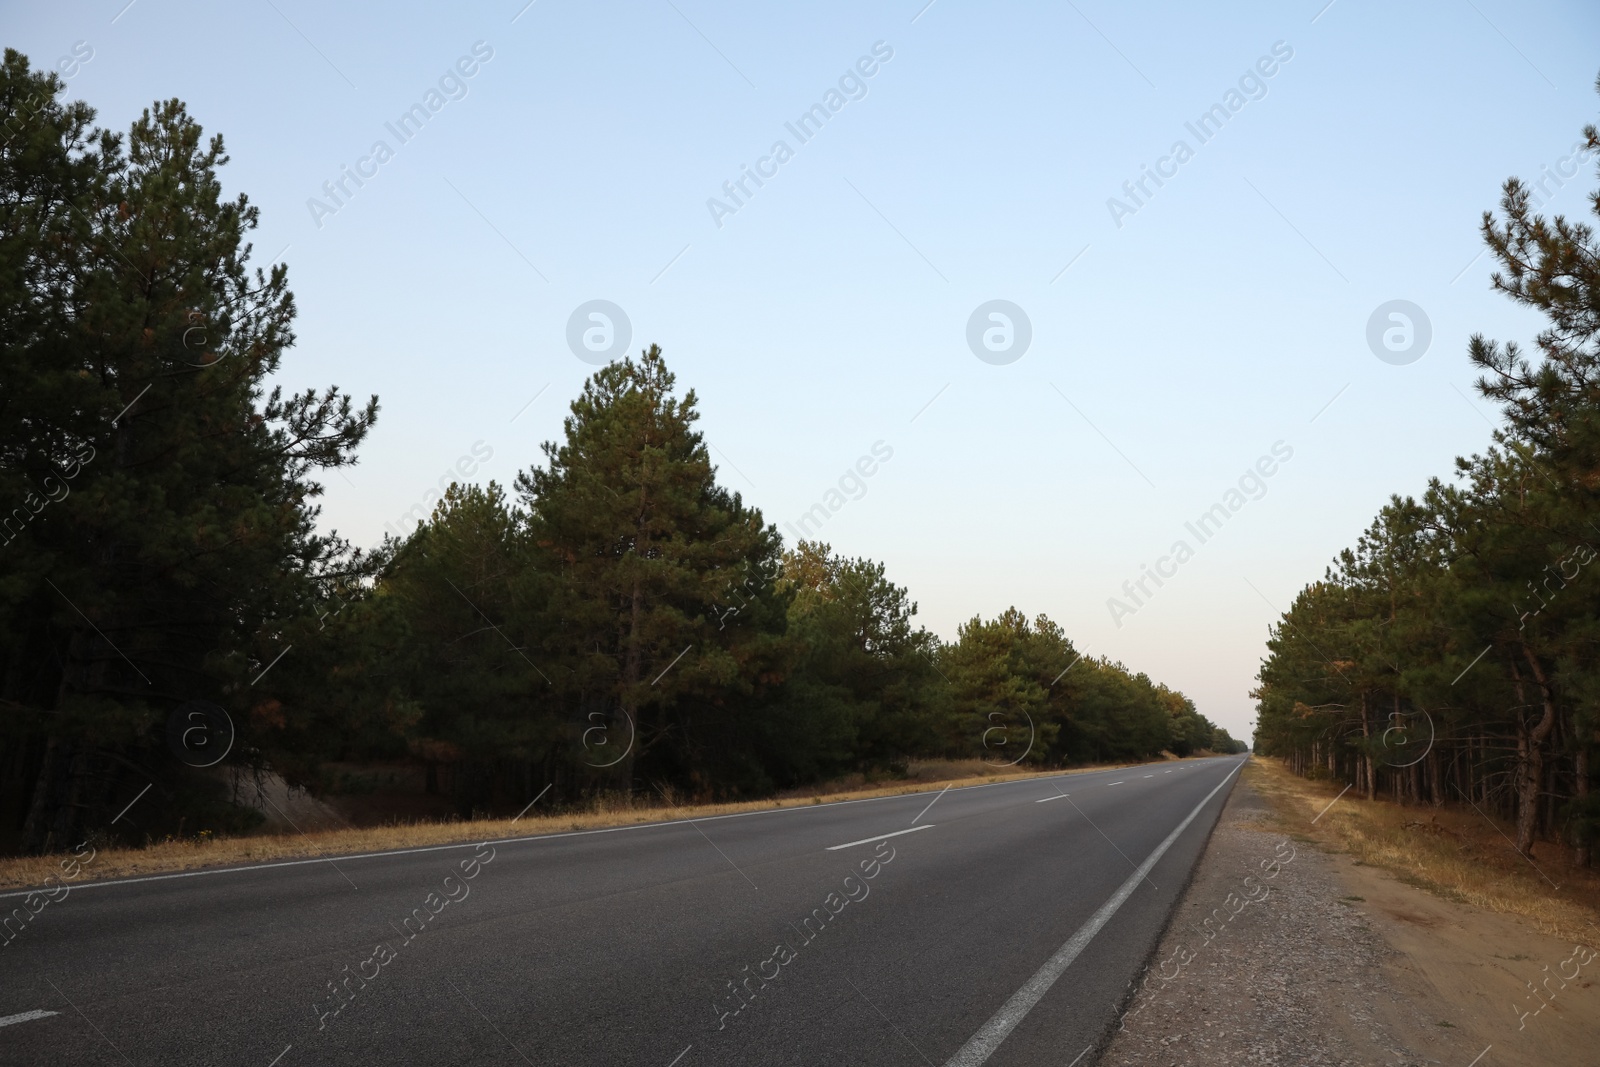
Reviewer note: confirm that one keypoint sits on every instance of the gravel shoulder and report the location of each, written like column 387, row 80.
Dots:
column 1282, row 954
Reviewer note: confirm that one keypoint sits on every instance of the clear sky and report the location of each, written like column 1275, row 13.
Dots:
column 1176, row 337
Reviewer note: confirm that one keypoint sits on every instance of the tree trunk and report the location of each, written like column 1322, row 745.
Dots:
column 1402, row 775
column 55, row 820
column 1530, row 754
column 47, row 790
column 633, row 656
column 1580, row 856
column 631, row 674
column 1366, row 752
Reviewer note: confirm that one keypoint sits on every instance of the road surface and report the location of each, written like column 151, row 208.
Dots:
column 1000, row 925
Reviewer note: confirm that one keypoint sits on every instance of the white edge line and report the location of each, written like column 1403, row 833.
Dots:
column 983, row 1043
column 880, row 837
column 536, row 837
column 27, row 1016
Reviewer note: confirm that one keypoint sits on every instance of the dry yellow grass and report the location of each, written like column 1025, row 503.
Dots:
column 195, row 853
column 1452, row 851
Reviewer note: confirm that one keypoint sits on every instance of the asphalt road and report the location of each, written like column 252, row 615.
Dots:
column 1003, row 928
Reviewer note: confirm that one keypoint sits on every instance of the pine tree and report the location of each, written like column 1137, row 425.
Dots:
column 865, row 692
column 662, row 604
column 185, row 546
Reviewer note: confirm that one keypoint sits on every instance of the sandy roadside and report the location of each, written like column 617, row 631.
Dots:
column 1283, row 954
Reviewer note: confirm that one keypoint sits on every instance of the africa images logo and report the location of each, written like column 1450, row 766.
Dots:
column 999, row 332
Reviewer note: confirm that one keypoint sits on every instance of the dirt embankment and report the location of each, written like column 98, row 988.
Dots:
column 1290, row 949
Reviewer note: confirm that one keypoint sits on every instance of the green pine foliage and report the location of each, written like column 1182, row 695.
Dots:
column 160, row 542
column 1451, row 655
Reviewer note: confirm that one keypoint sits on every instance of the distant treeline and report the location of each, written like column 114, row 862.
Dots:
column 614, row 621
column 1454, row 653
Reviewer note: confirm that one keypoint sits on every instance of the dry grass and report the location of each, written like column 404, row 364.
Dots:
column 195, row 853
column 1452, row 851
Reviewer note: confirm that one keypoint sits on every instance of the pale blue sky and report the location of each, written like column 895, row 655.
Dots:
column 825, row 313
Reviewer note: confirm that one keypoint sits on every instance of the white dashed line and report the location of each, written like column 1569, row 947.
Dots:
column 1109, row 784
column 1058, row 796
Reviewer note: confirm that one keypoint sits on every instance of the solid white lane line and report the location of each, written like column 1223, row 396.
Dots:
column 27, row 1016
column 983, row 1043
column 1058, row 796
column 880, row 837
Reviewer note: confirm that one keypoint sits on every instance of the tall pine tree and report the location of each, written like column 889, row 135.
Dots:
column 662, row 605
column 180, row 549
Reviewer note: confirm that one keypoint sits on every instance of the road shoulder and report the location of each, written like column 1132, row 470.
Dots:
column 1282, row 953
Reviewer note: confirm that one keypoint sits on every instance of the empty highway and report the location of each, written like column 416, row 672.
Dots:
column 998, row 924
